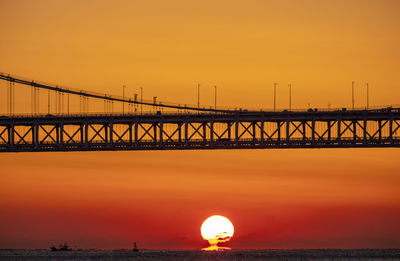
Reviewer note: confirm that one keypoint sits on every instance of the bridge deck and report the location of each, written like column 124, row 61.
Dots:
column 240, row 130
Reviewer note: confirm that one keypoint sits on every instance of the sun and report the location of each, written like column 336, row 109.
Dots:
column 217, row 229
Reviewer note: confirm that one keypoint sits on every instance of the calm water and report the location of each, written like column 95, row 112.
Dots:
column 332, row 254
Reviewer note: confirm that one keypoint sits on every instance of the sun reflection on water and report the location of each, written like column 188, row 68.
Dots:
column 216, row 248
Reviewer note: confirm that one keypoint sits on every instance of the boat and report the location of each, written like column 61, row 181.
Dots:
column 64, row 247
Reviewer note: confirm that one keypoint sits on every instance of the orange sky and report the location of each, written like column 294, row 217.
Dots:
column 275, row 198
column 242, row 46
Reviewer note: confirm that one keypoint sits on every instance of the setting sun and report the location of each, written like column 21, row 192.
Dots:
column 217, row 229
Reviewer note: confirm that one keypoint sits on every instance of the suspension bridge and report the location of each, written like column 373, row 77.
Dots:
column 56, row 124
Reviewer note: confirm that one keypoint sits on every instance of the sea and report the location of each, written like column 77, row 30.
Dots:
column 184, row 255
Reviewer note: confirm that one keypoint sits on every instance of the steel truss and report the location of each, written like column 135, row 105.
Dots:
column 379, row 128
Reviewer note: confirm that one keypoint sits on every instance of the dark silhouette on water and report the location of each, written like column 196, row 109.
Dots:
column 64, row 247
column 135, row 249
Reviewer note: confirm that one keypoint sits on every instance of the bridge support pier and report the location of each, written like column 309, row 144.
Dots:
column 130, row 133
column 204, row 127
column 262, row 132
column 237, row 133
column 35, row 134
column 279, row 130
column 11, row 135
column 86, row 134
column 211, row 132
column 287, row 123
column 365, row 131
column 391, row 129
column 229, row 125
column 155, row 132
column 329, row 126
column 136, row 133
column 161, row 133
column 111, row 133
column 61, row 134
column 313, row 132
column 180, row 132
column 186, row 132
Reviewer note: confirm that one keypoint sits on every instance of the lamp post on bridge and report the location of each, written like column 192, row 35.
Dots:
column 141, row 100
column 352, row 94
column 215, row 97
column 198, row 96
column 155, row 103
column 290, row 97
column 68, row 103
column 48, row 102
column 275, row 84
column 123, row 98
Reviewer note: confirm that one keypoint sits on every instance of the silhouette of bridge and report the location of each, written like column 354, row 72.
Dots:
column 169, row 126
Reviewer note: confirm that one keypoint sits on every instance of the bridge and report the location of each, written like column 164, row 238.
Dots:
column 169, row 126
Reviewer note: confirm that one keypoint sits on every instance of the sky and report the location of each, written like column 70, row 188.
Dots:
column 315, row 198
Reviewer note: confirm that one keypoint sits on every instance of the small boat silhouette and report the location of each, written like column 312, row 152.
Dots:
column 64, row 247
